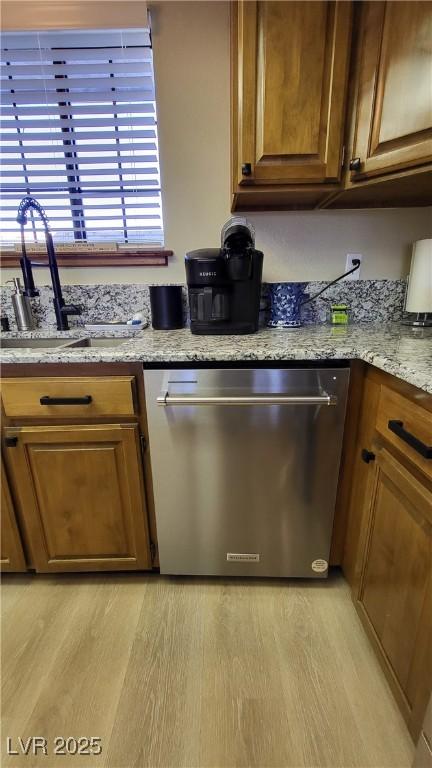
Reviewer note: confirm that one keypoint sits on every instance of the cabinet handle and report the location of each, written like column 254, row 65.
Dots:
column 84, row 400
column 367, row 456
column 398, row 428
column 246, row 169
column 355, row 164
column 11, row 442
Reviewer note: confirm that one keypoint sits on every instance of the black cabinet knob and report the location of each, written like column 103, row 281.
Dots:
column 10, row 442
column 355, row 164
column 246, row 169
column 367, row 456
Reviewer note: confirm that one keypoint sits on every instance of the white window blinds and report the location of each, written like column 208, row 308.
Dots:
column 79, row 133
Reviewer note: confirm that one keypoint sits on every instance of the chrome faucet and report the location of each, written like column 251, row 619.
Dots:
column 61, row 309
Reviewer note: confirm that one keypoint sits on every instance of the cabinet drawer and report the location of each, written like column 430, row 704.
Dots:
column 412, row 421
column 68, row 398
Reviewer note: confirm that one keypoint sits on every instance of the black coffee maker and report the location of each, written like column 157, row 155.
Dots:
column 225, row 283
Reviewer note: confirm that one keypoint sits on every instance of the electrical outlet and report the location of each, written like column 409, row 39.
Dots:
column 349, row 265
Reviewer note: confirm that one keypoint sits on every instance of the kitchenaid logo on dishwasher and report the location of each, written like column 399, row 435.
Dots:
column 244, row 557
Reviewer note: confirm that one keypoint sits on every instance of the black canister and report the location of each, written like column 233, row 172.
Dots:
column 166, row 302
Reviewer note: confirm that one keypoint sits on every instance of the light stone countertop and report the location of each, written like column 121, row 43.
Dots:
column 395, row 349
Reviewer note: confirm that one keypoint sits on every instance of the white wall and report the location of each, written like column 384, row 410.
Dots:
column 313, row 245
column 191, row 50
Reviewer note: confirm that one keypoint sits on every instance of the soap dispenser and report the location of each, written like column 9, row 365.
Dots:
column 22, row 307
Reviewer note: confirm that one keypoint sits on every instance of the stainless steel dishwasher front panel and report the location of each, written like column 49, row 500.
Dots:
column 245, row 466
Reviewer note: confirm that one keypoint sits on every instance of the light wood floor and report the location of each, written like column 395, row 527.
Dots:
column 195, row 673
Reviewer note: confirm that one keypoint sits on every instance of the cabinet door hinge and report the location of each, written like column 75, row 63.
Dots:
column 143, row 442
column 153, row 550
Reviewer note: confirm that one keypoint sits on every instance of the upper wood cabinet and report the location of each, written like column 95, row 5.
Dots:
column 290, row 62
column 12, row 555
column 393, row 110
column 80, row 494
column 301, row 136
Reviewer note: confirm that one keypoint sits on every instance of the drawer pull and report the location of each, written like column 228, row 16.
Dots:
column 398, row 428
column 84, row 400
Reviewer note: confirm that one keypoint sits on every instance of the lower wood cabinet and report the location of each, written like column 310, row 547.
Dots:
column 80, row 496
column 395, row 595
column 388, row 543
column 12, row 555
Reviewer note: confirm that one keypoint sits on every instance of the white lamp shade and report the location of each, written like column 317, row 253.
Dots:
column 419, row 295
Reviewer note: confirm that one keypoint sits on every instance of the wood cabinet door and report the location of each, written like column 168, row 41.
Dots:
column 81, row 496
column 361, row 478
column 291, row 63
column 12, row 555
column 393, row 121
column 395, row 592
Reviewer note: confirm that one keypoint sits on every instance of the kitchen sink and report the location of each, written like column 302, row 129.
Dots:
column 33, row 343
column 61, row 343
column 100, row 342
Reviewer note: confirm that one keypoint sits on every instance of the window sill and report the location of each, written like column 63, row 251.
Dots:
column 156, row 258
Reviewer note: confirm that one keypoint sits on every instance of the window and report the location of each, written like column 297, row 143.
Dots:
column 79, row 133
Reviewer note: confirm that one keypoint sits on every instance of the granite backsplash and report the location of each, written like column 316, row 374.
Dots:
column 370, row 301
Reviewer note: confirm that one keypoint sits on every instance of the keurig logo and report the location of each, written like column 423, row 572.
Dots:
column 207, row 274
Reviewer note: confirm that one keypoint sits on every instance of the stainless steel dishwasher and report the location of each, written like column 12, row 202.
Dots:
column 245, row 466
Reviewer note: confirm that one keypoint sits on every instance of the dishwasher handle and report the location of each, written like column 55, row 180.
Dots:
column 168, row 400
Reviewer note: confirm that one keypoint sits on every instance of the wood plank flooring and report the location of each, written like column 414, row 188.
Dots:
column 194, row 673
